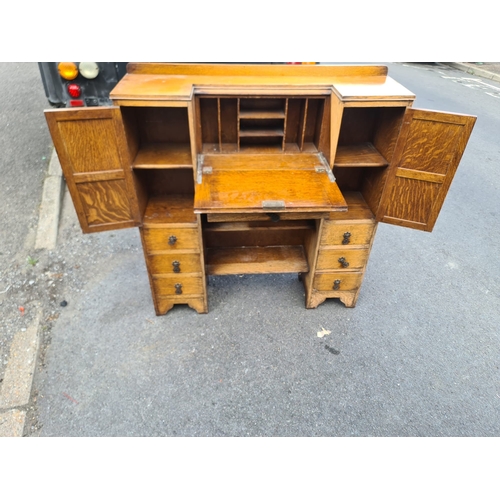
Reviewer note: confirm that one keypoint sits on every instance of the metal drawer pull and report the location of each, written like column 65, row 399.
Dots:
column 343, row 262
column 177, row 266
column 336, row 284
column 178, row 288
column 172, row 240
column 346, row 239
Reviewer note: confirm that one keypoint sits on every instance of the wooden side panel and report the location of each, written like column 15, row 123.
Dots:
column 95, row 160
column 425, row 160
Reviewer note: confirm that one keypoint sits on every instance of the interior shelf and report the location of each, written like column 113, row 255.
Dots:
column 256, row 260
column 263, row 132
column 359, row 155
column 164, row 155
column 261, row 114
column 169, row 209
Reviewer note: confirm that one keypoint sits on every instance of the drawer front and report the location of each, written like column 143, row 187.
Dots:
column 346, row 234
column 189, row 285
column 343, row 258
column 337, row 282
column 170, row 239
column 178, row 263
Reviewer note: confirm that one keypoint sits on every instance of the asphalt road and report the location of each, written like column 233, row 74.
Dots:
column 25, row 148
column 418, row 356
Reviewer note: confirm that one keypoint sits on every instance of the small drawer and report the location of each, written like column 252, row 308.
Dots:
column 174, row 262
column 337, row 282
column 178, row 285
column 171, row 239
column 346, row 234
column 343, row 258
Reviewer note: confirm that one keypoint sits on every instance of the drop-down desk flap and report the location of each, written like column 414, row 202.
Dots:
column 290, row 185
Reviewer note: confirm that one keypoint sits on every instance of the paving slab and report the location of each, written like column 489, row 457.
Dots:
column 12, row 423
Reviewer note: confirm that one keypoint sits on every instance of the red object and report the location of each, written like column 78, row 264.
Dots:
column 74, row 90
column 21, row 310
column 79, row 102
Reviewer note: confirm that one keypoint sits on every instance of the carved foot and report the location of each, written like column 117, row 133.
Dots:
column 165, row 304
column 315, row 300
column 349, row 299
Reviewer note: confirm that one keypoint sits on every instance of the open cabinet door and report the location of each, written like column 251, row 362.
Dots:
column 426, row 157
column 92, row 149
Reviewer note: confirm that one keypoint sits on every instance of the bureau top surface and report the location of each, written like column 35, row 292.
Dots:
column 178, row 82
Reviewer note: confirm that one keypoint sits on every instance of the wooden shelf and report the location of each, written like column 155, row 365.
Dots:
column 261, row 114
column 359, row 155
column 256, row 260
column 262, row 132
column 161, row 155
column 171, row 209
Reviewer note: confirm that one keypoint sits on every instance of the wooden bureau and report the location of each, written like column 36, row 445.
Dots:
column 245, row 169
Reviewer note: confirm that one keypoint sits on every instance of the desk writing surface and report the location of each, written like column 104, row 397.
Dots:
column 259, row 185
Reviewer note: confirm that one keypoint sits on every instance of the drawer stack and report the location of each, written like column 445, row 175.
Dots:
column 171, row 238
column 343, row 248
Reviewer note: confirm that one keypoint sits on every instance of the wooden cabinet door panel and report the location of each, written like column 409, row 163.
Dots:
column 105, row 203
column 92, row 148
column 426, row 157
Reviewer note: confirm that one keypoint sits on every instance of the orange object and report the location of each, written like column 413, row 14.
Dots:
column 21, row 310
column 68, row 70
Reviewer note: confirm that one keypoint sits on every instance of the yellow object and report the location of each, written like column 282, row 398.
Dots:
column 68, row 70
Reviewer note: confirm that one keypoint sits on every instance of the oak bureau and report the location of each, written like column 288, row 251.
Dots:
column 241, row 169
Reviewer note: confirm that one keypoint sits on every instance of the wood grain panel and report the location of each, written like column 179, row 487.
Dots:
column 433, row 143
column 297, row 185
column 426, row 157
column 247, row 191
column 92, row 147
column 91, row 144
column 411, row 200
column 105, row 202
